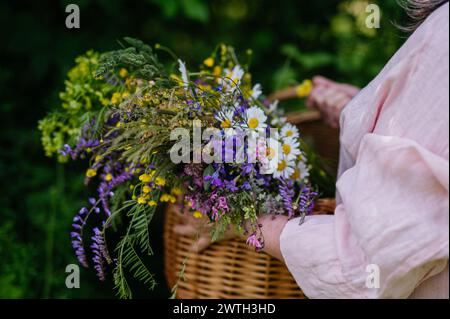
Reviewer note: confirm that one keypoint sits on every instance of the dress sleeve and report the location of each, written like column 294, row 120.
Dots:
column 393, row 218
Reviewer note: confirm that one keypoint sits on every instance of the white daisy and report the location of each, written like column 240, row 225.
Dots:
column 290, row 147
column 233, row 78
column 269, row 156
column 225, row 117
column 289, row 130
column 256, row 91
column 301, row 172
column 256, row 119
column 184, row 74
column 285, row 168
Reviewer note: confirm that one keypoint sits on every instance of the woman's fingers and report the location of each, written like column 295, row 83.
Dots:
column 185, row 230
column 202, row 243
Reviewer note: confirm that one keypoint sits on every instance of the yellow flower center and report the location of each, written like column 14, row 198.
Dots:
column 296, row 174
column 108, row 177
column 226, row 123
column 253, row 123
column 286, row 149
column 281, row 165
column 270, row 153
column 289, row 133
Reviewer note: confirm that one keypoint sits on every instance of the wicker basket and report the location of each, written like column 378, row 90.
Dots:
column 228, row 269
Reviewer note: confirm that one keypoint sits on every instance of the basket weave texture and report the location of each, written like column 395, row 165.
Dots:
column 227, row 269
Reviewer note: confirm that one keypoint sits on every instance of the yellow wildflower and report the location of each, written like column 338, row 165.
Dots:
column 146, row 189
column 160, row 181
column 108, row 177
column 145, row 178
column 91, row 172
column 304, row 89
column 123, row 72
column 197, row 214
column 141, row 200
column 217, row 71
column 209, row 62
column 116, row 98
column 167, row 198
column 176, row 191
column 98, row 158
column 125, row 95
column 152, row 203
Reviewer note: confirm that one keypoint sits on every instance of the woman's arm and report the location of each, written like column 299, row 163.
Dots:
column 271, row 228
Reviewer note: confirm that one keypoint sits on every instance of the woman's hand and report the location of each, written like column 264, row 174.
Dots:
column 330, row 98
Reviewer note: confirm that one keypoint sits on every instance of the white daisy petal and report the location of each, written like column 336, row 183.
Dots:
column 256, row 91
column 184, row 74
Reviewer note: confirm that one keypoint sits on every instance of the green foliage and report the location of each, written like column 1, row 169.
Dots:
column 82, row 95
column 128, row 258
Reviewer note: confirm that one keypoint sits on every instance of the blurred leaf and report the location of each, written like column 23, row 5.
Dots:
column 284, row 77
column 196, row 10
column 310, row 60
column 168, row 7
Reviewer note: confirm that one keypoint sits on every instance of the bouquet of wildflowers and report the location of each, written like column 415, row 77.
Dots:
column 154, row 134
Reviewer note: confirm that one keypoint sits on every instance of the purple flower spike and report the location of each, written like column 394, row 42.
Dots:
column 100, row 253
column 287, row 193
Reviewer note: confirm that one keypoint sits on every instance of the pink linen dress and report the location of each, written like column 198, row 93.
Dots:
column 389, row 237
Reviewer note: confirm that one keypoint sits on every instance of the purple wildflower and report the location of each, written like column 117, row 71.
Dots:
column 100, row 253
column 306, row 201
column 231, row 186
column 77, row 240
column 287, row 194
column 254, row 241
column 246, row 186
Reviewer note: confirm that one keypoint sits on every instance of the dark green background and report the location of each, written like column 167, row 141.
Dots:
column 291, row 40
